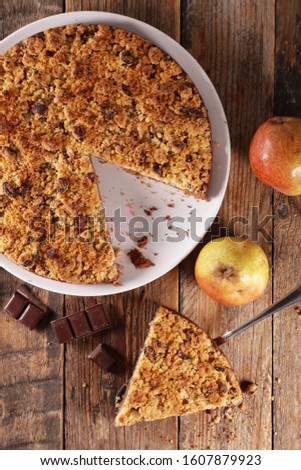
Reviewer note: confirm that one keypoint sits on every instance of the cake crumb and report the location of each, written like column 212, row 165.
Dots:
column 139, row 260
column 249, row 387
column 142, row 241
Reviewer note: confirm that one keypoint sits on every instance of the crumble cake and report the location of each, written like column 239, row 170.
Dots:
column 180, row 370
column 78, row 91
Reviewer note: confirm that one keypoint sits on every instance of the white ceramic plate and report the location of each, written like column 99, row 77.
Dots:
column 122, row 190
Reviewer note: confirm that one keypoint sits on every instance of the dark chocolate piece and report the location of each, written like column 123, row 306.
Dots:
column 25, row 307
column 31, row 316
column 80, row 324
column 16, row 305
column 104, row 356
column 31, row 298
column 98, row 318
column 62, row 330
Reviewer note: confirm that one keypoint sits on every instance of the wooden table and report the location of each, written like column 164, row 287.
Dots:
column 52, row 397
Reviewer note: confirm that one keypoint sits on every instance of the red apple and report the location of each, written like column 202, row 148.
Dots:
column 232, row 270
column 275, row 154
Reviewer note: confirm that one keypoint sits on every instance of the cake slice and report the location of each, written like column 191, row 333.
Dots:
column 180, row 370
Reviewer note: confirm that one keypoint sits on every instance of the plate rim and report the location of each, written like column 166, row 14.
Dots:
column 147, row 30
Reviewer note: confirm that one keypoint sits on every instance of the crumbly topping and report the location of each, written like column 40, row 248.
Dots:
column 179, row 371
column 76, row 91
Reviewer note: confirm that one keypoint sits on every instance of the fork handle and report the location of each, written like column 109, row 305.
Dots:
column 287, row 300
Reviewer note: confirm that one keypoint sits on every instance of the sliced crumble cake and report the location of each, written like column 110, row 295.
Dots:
column 72, row 92
column 180, row 370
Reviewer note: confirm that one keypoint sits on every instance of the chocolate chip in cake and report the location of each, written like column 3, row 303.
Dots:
column 81, row 222
column 192, row 111
column 127, row 57
column 184, row 356
column 92, row 177
column 109, row 114
column 25, row 186
column 51, row 253
column 63, row 185
column 219, row 368
column 11, row 152
column 150, row 353
column 222, row 386
column 4, row 200
column 45, row 166
column 157, row 168
column 10, row 190
column 27, row 263
column 40, row 35
column 126, row 90
column 79, row 132
column 39, row 108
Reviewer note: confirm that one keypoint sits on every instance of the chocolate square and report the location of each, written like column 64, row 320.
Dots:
column 80, row 324
column 31, row 316
column 16, row 305
column 62, row 330
column 98, row 317
column 104, row 356
column 23, row 290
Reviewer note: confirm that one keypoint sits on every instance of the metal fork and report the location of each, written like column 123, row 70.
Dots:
column 287, row 300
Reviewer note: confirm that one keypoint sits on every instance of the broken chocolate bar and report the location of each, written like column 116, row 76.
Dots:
column 105, row 357
column 25, row 307
column 81, row 324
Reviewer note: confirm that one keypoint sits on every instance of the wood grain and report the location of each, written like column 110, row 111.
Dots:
column 90, row 393
column 234, row 42
column 51, row 398
column 31, row 363
column 287, row 230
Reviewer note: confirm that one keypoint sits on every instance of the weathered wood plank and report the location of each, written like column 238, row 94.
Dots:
column 287, row 230
column 90, row 393
column 234, row 43
column 114, row 6
column 31, row 363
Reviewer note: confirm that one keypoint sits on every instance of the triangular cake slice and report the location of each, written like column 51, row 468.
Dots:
column 180, row 370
